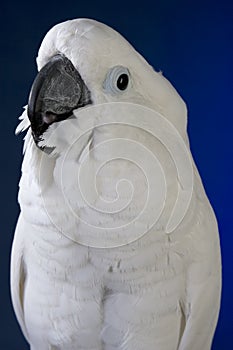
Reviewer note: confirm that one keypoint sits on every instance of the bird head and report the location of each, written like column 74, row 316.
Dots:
column 83, row 63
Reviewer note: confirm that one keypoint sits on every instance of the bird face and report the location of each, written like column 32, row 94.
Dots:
column 84, row 63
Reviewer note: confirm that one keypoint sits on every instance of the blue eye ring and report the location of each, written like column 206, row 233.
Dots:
column 117, row 80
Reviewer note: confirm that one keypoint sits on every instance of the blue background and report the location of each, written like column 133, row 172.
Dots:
column 192, row 43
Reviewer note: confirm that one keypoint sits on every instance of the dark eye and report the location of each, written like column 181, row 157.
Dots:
column 117, row 80
column 122, row 82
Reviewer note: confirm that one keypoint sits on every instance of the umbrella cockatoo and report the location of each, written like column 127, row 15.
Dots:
column 116, row 245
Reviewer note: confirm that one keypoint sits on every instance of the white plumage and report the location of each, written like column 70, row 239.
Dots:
column 160, row 291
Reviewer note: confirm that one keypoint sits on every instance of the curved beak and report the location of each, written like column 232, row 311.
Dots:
column 57, row 90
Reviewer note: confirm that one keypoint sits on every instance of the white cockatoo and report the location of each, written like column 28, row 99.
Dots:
column 116, row 246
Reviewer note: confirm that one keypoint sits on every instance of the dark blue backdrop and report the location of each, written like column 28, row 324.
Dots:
column 192, row 43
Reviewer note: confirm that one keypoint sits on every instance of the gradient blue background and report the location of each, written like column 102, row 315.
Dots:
column 192, row 43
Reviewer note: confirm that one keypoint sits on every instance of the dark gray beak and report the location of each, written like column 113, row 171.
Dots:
column 57, row 90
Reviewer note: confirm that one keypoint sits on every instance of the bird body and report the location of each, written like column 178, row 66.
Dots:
column 73, row 286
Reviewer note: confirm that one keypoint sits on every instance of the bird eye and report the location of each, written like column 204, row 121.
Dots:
column 122, row 82
column 117, row 80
